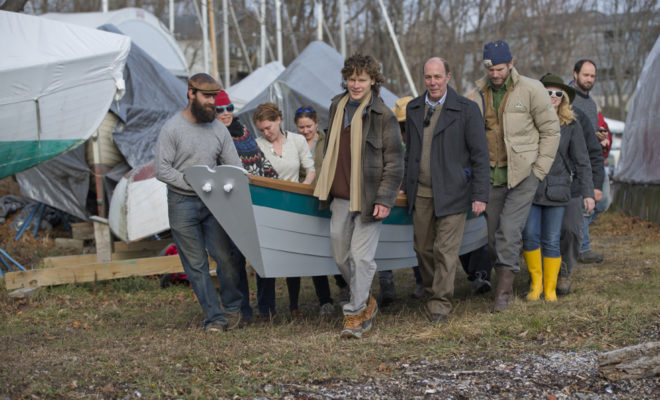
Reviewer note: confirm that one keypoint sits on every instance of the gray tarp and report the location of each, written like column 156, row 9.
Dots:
column 153, row 94
column 313, row 78
column 61, row 183
column 640, row 148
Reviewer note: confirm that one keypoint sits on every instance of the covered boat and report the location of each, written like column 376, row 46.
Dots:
column 279, row 228
column 56, row 84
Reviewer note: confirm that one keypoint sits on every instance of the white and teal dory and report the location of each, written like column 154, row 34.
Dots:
column 279, row 228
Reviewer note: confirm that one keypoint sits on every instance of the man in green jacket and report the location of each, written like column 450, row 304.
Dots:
column 522, row 130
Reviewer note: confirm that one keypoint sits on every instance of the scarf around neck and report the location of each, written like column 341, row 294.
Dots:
column 329, row 166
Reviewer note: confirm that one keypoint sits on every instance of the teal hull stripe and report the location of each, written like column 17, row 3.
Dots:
column 309, row 205
column 20, row 155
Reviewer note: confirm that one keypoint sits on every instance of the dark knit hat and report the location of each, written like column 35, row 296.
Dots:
column 556, row 81
column 204, row 83
column 496, row 52
column 222, row 99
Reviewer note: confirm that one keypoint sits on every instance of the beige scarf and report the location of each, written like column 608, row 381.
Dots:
column 329, row 166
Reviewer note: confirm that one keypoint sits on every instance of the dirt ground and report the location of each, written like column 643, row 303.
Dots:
column 129, row 339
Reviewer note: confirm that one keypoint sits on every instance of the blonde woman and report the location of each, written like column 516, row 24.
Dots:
column 543, row 227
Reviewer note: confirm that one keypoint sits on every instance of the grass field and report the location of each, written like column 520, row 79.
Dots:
column 119, row 338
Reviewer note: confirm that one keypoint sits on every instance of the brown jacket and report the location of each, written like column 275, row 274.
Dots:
column 382, row 156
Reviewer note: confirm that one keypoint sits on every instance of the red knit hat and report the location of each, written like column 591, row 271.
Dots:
column 222, row 99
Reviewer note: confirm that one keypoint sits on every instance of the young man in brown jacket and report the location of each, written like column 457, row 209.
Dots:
column 360, row 177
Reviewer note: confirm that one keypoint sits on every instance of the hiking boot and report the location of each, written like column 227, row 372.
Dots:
column 387, row 294
column 435, row 318
column 589, row 257
column 352, row 327
column 327, row 309
column 215, row 326
column 419, row 291
column 504, row 289
column 563, row 285
column 480, row 284
column 233, row 320
column 369, row 313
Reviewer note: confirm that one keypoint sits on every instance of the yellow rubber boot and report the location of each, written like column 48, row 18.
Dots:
column 551, row 267
column 535, row 268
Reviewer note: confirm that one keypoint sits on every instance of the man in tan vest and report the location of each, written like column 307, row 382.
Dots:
column 522, row 130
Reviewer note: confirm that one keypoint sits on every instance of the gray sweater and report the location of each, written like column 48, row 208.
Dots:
column 587, row 104
column 182, row 144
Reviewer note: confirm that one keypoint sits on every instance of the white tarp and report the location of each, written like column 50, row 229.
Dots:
column 242, row 92
column 640, row 149
column 56, row 84
column 142, row 27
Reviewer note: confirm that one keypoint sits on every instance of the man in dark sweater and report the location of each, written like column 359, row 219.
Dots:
column 584, row 77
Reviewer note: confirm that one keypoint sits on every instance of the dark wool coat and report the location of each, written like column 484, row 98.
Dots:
column 572, row 153
column 460, row 172
column 382, row 156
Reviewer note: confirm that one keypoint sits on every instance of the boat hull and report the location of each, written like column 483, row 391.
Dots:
column 282, row 232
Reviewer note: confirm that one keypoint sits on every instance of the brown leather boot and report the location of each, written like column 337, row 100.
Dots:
column 504, row 290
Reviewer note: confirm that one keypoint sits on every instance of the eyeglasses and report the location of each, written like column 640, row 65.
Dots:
column 304, row 109
column 427, row 119
column 221, row 109
column 558, row 93
column 602, row 130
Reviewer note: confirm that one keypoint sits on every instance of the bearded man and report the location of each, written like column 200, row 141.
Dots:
column 195, row 137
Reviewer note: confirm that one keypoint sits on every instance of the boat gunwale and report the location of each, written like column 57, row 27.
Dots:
column 302, row 188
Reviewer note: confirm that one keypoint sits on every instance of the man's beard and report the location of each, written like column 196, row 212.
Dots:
column 581, row 86
column 201, row 113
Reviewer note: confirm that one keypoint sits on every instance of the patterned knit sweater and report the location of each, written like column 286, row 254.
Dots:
column 251, row 156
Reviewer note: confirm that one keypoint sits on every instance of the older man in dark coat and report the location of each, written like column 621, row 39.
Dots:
column 446, row 175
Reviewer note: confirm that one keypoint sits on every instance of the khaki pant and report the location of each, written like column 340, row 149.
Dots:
column 353, row 244
column 437, row 241
column 506, row 214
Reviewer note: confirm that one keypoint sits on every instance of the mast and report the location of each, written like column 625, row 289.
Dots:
column 413, row 89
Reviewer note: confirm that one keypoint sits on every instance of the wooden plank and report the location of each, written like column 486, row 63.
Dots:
column 93, row 272
column 82, row 230
column 142, row 245
column 84, row 259
column 103, row 242
column 67, row 243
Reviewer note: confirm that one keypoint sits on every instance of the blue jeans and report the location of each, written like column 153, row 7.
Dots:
column 601, row 206
column 543, row 229
column 195, row 230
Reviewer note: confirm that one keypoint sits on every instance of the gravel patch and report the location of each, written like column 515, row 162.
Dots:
column 553, row 376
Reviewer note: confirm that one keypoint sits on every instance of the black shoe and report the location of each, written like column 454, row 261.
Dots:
column 480, row 284
column 589, row 257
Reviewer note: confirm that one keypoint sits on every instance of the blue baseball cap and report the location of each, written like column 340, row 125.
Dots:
column 497, row 52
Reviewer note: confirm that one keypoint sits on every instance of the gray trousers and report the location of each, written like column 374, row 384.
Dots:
column 571, row 235
column 506, row 214
column 437, row 241
column 353, row 244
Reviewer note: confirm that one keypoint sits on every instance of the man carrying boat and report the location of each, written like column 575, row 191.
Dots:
column 446, row 175
column 195, row 137
column 359, row 178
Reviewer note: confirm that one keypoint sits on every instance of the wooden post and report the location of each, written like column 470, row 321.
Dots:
column 102, row 239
